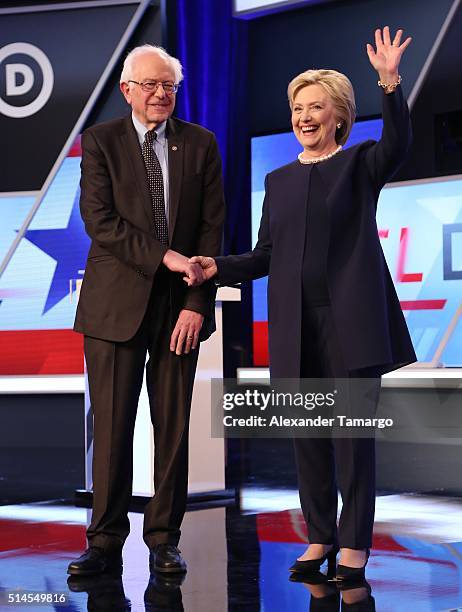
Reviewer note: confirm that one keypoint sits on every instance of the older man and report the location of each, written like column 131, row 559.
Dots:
column 151, row 195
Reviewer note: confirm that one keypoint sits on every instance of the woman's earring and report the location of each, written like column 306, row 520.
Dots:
column 339, row 125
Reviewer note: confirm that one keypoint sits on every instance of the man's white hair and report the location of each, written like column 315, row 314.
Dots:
column 127, row 70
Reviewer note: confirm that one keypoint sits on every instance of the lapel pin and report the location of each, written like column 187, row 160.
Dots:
column 174, row 148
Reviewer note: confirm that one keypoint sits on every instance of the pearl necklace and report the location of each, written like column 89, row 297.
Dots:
column 316, row 160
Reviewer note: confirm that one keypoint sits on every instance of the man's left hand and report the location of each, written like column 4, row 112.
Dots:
column 185, row 336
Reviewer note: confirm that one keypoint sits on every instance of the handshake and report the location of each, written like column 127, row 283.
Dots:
column 196, row 270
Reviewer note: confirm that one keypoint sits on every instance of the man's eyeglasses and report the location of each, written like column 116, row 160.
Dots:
column 152, row 86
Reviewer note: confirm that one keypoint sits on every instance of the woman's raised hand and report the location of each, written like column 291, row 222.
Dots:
column 387, row 55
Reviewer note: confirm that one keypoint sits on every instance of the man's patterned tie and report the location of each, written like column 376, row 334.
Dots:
column 156, row 187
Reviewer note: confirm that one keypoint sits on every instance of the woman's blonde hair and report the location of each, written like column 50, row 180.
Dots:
column 340, row 90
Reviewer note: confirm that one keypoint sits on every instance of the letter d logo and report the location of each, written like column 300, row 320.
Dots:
column 13, row 88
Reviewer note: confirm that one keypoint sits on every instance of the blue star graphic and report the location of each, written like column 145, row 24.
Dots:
column 69, row 247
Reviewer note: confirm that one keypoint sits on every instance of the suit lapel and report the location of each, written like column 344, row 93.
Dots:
column 292, row 196
column 333, row 173
column 132, row 150
column 175, row 170
column 297, row 181
column 298, row 187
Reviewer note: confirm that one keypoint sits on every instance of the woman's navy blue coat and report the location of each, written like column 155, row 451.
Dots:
column 369, row 321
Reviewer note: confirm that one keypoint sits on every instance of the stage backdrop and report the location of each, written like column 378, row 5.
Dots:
column 54, row 63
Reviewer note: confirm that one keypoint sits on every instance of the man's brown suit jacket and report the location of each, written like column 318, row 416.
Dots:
column 116, row 208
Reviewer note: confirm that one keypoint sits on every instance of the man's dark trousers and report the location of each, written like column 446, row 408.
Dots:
column 115, row 371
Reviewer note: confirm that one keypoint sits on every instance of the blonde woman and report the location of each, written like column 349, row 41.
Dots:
column 333, row 309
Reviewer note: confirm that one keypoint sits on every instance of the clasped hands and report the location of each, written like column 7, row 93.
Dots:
column 196, row 270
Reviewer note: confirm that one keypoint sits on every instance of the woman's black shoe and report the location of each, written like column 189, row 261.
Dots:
column 312, row 579
column 311, row 566
column 346, row 573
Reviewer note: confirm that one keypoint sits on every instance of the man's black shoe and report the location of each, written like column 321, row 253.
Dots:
column 96, row 560
column 166, row 558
